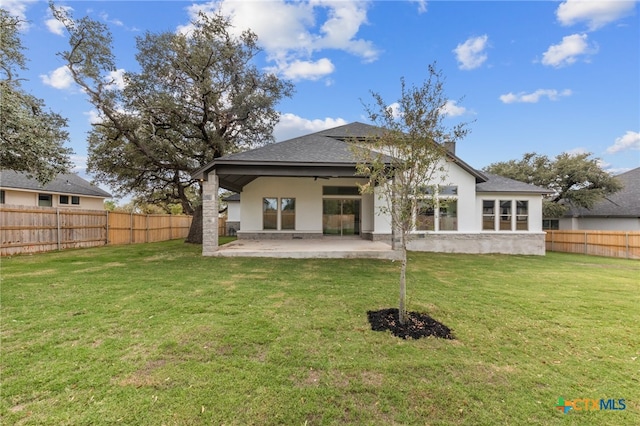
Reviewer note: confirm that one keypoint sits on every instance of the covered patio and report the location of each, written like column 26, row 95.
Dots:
column 317, row 248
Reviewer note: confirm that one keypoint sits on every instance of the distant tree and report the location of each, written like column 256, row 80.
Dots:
column 405, row 164
column 31, row 138
column 197, row 97
column 577, row 180
column 110, row 205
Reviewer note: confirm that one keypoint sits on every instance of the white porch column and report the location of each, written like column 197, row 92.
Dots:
column 210, row 215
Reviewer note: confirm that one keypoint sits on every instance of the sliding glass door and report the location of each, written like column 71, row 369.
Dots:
column 340, row 216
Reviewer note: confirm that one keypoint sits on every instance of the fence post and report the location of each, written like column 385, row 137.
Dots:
column 585, row 242
column 626, row 235
column 58, row 236
column 131, row 229
column 106, row 226
column 146, row 237
column 552, row 234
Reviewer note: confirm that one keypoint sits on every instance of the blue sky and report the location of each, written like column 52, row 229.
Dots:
column 542, row 76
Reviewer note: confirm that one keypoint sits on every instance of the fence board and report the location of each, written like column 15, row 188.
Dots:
column 625, row 244
column 38, row 229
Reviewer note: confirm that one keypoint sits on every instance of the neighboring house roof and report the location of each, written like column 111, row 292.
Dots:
column 624, row 203
column 232, row 197
column 324, row 153
column 68, row 183
column 496, row 183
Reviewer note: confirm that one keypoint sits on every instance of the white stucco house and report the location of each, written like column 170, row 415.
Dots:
column 233, row 214
column 305, row 188
column 616, row 212
column 67, row 190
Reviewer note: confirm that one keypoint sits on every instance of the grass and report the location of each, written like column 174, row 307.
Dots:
column 155, row 334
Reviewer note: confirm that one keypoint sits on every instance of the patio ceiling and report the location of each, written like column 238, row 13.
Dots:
column 234, row 177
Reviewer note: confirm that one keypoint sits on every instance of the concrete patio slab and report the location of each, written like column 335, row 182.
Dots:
column 321, row 248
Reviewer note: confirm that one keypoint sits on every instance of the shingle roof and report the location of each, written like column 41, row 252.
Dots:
column 624, row 203
column 69, row 183
column 232, row 197
column 324, row 147
column 496, row 183
column 313, row 148
column 329, row 147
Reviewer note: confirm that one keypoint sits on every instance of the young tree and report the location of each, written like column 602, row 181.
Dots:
column 31, row 139
column 196, row 97
column 576, row 179
column 406, row 162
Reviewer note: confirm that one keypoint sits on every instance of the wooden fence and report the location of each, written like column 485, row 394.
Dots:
column 624, row 244
column 40, row 229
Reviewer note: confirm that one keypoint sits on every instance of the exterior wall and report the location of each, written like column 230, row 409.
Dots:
column 30, row 198
column 308, row 195
column 233, row 211
column 233, row 217
column 467, row 206
column 600, row 224
column 481, row 243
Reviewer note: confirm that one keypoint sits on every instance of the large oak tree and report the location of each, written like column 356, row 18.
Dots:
column 197, row 96
column 31, row 138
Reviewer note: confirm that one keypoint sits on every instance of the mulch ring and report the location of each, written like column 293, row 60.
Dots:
column 418, row 325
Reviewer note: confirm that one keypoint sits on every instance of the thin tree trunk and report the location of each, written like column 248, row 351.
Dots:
column 402, row 309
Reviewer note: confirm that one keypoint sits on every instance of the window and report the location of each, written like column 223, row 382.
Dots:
column 75, row 200
column 2, row 196
column 425, row 216
column 440, row 189
column 447, row 215
column 269, row 213
column 488, row 215
column 340, row 190
column 522, row 215
column 507, row 220
column 550, row 224
column 64, row 199
column 45, row 200
column 448, row 219
column 285, row 216
column 288, row 213
column 505, row 215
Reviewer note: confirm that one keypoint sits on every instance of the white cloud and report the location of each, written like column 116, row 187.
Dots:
column 79, row 163
column 629, row 141
column 18, row 9
column 471, row 54
column 577, row 151
column 534, row 97
column 395, row 110
column 291, row 126
column 53, row 25
column 567, row 52
column 450, row 109
column 292, row 32
column 595, row 13
column 60, row 78
column 117, row 79
column 422, row 5
column 298, row 70
column 105, row 17
column 94, row 116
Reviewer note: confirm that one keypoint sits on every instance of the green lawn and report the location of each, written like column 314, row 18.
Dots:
column 155, row 334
